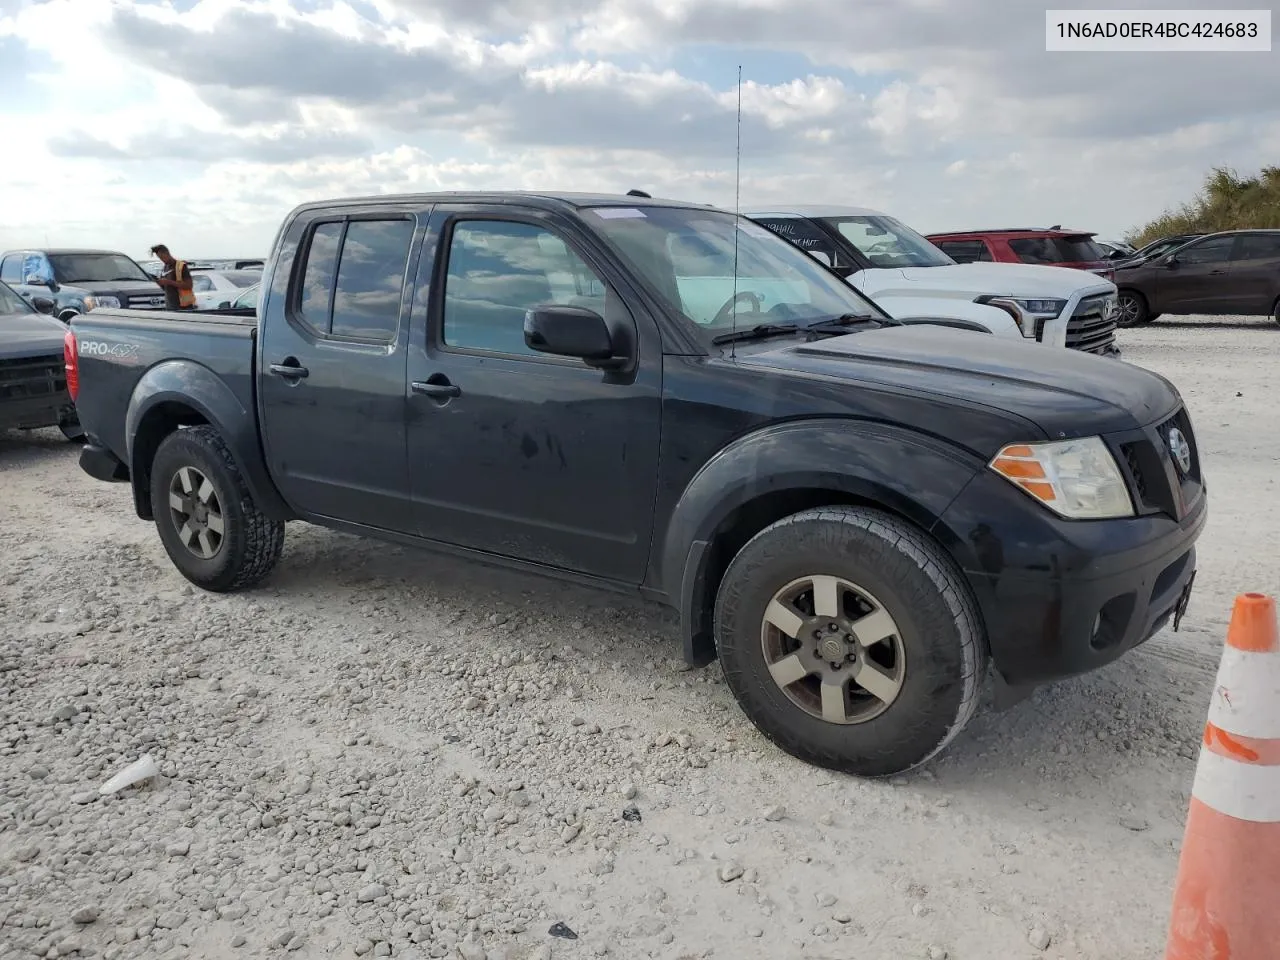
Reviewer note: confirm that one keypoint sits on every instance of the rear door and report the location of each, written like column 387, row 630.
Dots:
column 518, row 453
column 332, row 364
column 1255, row 273
column 1197, row 278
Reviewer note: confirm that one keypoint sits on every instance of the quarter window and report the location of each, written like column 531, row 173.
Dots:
column 497, row 270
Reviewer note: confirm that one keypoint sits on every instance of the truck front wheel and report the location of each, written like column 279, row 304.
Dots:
column 210, row 526
column 851, row 640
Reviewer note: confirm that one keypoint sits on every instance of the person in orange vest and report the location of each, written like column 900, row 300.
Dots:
column 176, row 280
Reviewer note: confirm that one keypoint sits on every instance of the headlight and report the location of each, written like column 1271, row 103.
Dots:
column 1049, row 308
column 1076, row 479
column 110, row 303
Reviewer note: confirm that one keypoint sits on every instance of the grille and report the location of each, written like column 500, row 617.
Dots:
column 32, row 377
column 1089, row 329
column 146, row 301
column 1158, row 483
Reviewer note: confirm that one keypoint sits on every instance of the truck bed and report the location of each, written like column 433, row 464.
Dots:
column 187, row 352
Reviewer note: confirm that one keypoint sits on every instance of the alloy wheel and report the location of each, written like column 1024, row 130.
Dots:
column 833, row 649
column 197, row 512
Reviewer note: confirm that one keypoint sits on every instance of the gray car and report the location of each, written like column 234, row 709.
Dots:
column 77, row 281
column 33, row 378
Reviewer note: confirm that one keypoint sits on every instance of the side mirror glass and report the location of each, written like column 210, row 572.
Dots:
column 1171, row 262
column 565, row 331
column 43, row 304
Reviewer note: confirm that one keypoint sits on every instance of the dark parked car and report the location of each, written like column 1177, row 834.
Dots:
column 1233, row 273
column 33, row 376
column 852, row 514
column 78, row 281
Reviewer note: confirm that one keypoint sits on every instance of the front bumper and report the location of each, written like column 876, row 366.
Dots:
column 1059, row 597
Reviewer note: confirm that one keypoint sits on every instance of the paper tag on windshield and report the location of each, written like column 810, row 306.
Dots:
column 618, row 213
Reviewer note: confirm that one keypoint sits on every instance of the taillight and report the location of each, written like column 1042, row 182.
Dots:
column 71, row 360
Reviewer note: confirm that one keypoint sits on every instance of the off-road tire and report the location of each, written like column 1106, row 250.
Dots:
column 1275, row 311
column 251, row 543
column 1134, row 310
column 941, row 632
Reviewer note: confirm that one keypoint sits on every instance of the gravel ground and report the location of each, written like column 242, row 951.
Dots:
column 384, row 753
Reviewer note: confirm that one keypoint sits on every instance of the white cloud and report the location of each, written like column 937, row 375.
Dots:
column 204, row 124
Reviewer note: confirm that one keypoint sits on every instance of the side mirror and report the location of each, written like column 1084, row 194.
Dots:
column 44, row 304
column 35, row 280
column 822, row 257
column 565, row 331
column 1171, row 262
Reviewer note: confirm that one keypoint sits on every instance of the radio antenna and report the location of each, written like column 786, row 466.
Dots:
column 737, row 212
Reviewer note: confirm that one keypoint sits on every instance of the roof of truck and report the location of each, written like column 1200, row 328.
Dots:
column 65, row 251
column 548, row 199
column 812, row 210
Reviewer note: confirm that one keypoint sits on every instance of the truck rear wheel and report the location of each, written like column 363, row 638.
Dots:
column 212, row 530
column 851, row 640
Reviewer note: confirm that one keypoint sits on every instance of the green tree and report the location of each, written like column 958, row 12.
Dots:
column 1226, row 202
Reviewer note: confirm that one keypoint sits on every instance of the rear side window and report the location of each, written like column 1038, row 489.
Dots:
column 366, row 302
column 1253, row 246
column 354, row 278
column 1056, row 249
column 965, row 251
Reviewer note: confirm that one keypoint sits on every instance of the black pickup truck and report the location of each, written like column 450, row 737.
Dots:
column 855, row 516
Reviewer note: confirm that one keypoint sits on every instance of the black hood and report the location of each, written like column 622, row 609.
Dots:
column 1065, row 392
column 29, row 335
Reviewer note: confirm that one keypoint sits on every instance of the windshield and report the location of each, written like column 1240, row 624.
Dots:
column 1052, row 250
column 94, row 268
column 888, row 243
column 10, row 302
column 247, row 299
column 687, row 256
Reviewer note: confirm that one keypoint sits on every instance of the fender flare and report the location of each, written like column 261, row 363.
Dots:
column 191, row 385
column 911, row 474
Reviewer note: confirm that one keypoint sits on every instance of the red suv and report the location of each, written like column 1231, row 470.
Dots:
column 1054, row 247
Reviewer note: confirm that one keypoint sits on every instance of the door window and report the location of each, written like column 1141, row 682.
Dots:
column 201, row 283
column 965, row 251
column 1253, row 246
column 499, row 269
column 354, row 278
column 1213, row 250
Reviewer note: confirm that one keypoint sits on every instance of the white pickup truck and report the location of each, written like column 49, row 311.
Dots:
column 909, row 276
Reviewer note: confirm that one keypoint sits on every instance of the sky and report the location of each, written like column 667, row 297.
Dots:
column 201, row 123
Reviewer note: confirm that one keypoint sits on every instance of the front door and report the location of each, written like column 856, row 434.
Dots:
column 1255, row 273
column 1198, row 280
column 332, row 383
column 517, row 453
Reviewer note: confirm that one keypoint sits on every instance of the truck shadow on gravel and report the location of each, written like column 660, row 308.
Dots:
column 1137, row 720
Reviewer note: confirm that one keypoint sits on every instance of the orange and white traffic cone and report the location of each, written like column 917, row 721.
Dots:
column 1226, row 904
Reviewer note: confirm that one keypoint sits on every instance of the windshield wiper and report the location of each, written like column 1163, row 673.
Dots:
column 837, row 324
column 122, row 279
column 758, row 332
